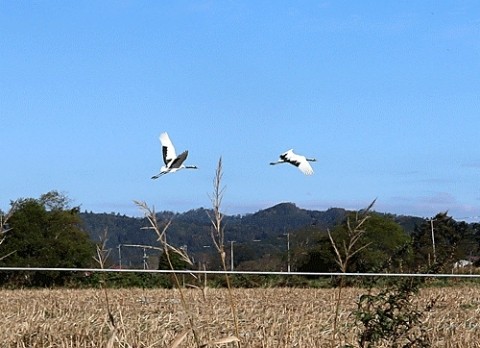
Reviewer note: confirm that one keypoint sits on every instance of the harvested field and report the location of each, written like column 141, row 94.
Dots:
column 277, row 317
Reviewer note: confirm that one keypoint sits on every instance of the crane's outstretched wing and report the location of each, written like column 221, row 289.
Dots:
column 305, row 168
column 298, row 161
column 178, row 161
column 168, row 150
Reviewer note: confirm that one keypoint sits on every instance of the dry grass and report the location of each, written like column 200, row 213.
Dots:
column 273, row 318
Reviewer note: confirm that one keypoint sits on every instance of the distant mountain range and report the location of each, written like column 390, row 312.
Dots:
column 192, row 229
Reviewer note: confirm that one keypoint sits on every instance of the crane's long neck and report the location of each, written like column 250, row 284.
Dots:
column 277, row 162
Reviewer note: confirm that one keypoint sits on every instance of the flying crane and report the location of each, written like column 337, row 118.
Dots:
column 172, row 162
column 301, row 162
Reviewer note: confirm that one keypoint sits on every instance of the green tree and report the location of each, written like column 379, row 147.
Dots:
column 443, row 240
column 45, row 233
column 318, row 256
column 178, row 262
column 382, row 237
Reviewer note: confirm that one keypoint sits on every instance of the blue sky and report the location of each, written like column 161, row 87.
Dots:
column 385, row 94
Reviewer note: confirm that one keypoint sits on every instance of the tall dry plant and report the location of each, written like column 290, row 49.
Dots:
column 345, row 250
column 167, row 249
column 218, row 237
column 102, row 252
column 101, row 258
column 4, row 228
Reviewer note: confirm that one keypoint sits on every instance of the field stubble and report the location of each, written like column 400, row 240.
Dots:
column 276, row 317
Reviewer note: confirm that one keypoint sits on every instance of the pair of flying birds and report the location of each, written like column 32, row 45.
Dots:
column 174, row 163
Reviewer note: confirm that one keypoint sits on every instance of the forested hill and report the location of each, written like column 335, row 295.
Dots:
column 192, row 228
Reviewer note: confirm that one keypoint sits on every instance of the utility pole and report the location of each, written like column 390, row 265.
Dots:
column 433, row 242
column 231, row 254
column 285, row 233
column 120, row 255
column 145, row 257
column 288, row 252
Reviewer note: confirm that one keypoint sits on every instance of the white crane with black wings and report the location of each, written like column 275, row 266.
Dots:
column 299, row 161
column 172, row 162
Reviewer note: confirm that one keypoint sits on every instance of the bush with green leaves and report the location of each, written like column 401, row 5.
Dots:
column 390, row 317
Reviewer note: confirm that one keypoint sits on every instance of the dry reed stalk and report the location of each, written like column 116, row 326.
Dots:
column 4, row 229
column 167, row 248
column 344, row 254
column 218, row 238
column 102, row 256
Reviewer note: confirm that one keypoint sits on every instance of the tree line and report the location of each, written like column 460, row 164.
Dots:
column 48, row 232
